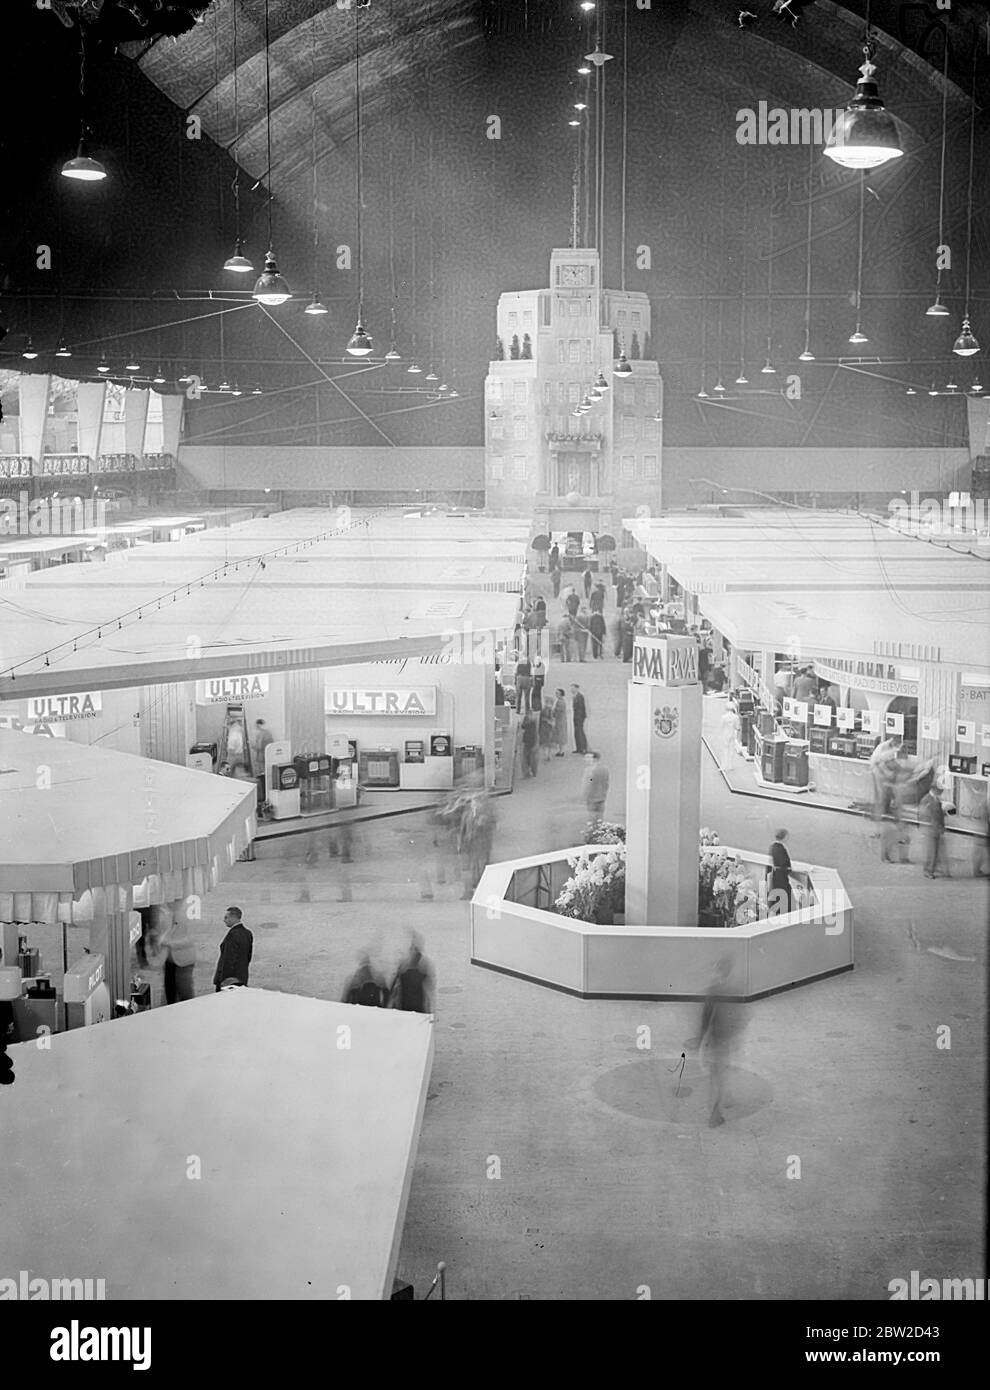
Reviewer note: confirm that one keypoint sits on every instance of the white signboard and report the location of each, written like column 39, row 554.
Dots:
column 845, row 717
column 823, row 715
column 985, row 735
column 893, row 723
column 230, row 690
column 870, row 721
column 403, row 702
column 966, row 731
column 929, row 727
column 55, row 709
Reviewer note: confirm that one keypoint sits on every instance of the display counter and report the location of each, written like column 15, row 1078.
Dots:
column 849, row 778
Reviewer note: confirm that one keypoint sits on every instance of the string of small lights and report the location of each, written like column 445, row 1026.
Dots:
column 90, row 636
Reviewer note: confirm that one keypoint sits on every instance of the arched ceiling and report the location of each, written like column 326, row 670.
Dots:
column 454, row 219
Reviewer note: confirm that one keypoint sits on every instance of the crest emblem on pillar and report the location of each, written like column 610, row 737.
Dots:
column 665, row 722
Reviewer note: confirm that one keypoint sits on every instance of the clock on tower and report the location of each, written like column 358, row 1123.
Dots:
column 574, row 275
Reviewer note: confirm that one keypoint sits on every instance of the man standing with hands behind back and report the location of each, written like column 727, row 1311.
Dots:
column 235, row 951
column 579, row 713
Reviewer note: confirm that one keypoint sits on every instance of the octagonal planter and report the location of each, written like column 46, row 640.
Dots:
column 513, row 930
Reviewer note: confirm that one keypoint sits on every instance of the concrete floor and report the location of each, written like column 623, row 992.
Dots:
column 558, row 1160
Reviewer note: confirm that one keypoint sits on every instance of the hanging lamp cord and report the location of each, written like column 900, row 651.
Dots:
column 268, row 117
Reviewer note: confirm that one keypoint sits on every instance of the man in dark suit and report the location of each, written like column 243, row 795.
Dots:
column 579, row 713
column 235, row 950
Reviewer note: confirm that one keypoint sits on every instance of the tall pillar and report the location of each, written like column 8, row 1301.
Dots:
column 135, row 422
column 172, row 407
column 32, row 395
column 91, row 399
column 109, row 936
column 663, row 783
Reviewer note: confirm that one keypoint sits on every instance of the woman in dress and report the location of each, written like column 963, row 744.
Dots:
column 546, row 730
column 779, row 899
column 560, row 723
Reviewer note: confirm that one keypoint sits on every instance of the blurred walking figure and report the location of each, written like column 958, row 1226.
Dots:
column 546, row 730
column 582, row 631
column 530, row 745
column 589, row 580
column 597, row 598
column 730, row 735
column 539, row 680
column 722, row 1023
column 931, row 819
column 477, row 837
column 572, row 602
column 180, row 962
column 779, row 895
column 555, row 579
column 524, row 684
column 594, row 785
column 560, row 723
column 598, row 630
column 413, row 986
column 895, row 833
column 367, row 985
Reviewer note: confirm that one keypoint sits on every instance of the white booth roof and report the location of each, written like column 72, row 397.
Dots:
column 306, row 1148
column 259, row 617
column 828, row 583
column 75, row 818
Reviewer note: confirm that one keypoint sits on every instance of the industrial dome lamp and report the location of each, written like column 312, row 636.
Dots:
column 270, row 288
column 865, row 135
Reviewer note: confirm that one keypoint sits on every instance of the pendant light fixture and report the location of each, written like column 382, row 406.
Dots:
column 62, row 350
column 966, row 344
column 82, row 167
column 865, row 136
column 857, row 337
column 768, row 369
column 159, row 377
column 238, row 262
column 937, row 309
column 602, row 382
column 807, row 355
column 270, row 288
column 622, row 367
column 360, row 343
column 315, row 308
column 742, row 379
column 104, row 366
column 393, row 354
column 30, row 351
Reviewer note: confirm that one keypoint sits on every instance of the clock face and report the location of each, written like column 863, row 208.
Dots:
column 573, row 274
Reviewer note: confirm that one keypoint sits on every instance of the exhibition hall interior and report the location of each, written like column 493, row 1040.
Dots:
column 362, row 364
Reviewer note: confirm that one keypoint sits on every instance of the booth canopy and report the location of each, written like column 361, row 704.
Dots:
column 125, row 830
column 305, row 1119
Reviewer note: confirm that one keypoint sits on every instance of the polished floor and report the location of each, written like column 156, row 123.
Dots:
column 560, row 1159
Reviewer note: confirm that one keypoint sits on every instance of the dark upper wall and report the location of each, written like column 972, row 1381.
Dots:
column 468, row 218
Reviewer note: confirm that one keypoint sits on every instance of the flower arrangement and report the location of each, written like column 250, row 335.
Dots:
column 725, row 890
column 596, row 890
column 603, row 832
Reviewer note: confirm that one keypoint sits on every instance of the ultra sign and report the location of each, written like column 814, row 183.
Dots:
column 665, row 661
column 52, row 709
column 402, row 701
column 223, row 690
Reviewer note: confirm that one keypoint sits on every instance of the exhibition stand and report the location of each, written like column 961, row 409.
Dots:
column 244, row 1145
column 91, row 835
